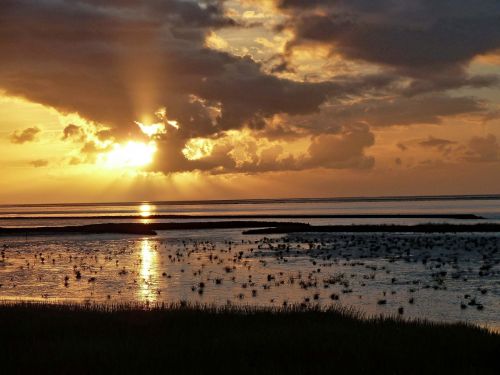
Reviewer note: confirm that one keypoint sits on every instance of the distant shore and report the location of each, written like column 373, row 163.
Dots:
column 256, row 216
column 254, row 227
column 144, row 229
column 182, row 339
column 390, row 198
column 382, row 228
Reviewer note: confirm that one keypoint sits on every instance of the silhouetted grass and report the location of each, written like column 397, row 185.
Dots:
column 74, row 339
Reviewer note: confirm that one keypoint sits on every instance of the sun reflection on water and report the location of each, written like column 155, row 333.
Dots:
column 148, row 272
column 146, row 210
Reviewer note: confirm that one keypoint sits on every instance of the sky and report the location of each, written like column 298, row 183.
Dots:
column 124, row 100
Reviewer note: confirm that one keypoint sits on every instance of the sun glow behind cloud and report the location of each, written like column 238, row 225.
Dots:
column 136, row 154
column 129, row 155
column 151, row 130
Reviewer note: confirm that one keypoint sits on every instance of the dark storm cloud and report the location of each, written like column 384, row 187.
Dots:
column 95, row 58
column 402, row 110
column 69, row 54
column 23, row 136
column 112, row 60
column 416, row 36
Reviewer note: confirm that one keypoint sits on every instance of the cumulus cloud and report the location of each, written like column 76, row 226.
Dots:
column 342, row 151
column 73, row 131
column 411, row 35
column 242, row 152
column 117, row 61
column 26, row 135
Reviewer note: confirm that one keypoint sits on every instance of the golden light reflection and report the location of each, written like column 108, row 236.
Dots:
column 146, row 210
column 148, row 272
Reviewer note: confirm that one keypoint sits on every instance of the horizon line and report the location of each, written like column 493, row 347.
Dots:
column 270, row 200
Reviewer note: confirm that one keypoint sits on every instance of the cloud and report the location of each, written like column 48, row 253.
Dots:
column 73, row 131
column 483, row 149
column 342, row 151
column 476, row 150
column 26, row 135
column 402, row 146
column 427, row 109
column 439, row 143
column 411, row 35
column 244, row 152
column 115, row 63
column 39, row 163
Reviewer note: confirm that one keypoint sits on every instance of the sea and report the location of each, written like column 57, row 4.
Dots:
column 435, row 276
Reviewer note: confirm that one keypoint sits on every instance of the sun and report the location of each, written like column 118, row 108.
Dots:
column 135, row 154
column 132, row 154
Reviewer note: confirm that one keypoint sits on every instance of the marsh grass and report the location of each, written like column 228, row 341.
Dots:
column 198, row 339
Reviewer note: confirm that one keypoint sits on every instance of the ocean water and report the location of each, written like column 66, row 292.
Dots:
column 78, row 214
column 444, row 277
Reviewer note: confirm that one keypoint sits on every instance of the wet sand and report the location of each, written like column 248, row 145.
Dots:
column 439, row 276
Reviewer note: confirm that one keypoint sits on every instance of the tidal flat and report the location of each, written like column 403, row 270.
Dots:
column 443, row 277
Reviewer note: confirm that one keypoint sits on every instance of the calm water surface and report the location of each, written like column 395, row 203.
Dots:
column 446, row 277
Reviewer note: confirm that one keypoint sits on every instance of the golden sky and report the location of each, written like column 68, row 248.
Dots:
column 183, row 99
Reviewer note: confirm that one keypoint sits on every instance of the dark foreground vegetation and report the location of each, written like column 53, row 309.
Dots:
column 41, row 338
